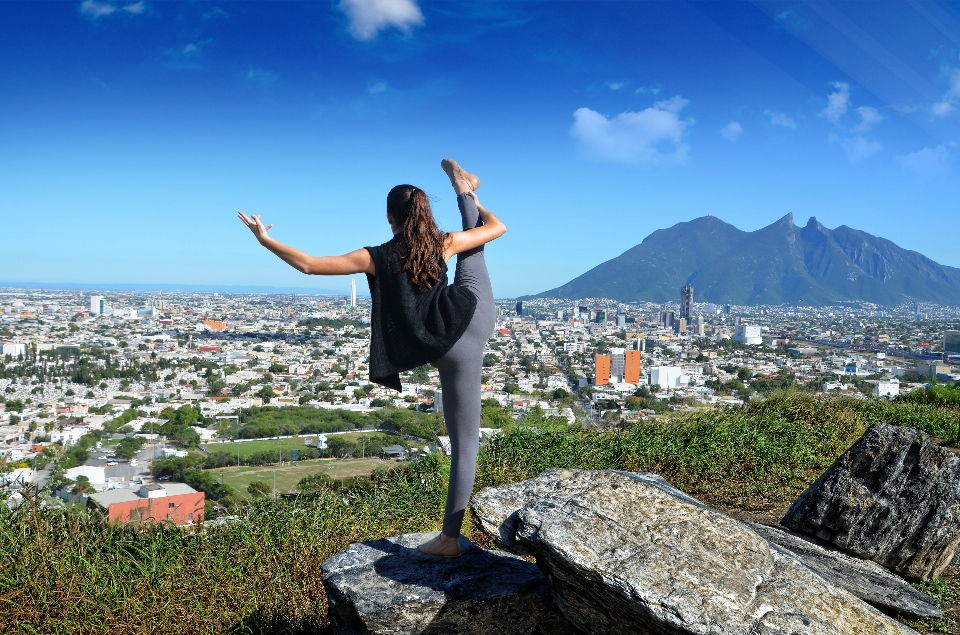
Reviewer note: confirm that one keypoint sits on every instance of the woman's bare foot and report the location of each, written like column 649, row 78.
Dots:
column 461, row 180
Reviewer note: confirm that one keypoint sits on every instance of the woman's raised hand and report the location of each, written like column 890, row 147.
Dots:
column 254, row 224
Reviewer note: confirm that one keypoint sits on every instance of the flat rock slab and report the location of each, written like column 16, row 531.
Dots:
column 893, row 497
column 625, row 554
column 388, row 586
column 865, row 579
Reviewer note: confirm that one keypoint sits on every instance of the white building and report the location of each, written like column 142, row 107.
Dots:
column 671, row 377
column 98, row 305
column 887, row 388
column 14, row 349
column 748, row 334
column 95, row 475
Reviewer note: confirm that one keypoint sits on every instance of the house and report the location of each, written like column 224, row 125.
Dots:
column 395, row 452
column 177, row 503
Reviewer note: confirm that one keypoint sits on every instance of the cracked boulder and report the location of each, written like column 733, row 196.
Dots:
column 893, row 497
column 629, row 554
column 388, row 587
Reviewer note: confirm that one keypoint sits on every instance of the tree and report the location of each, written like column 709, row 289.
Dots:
column 82, row 486
column 265, row 393
column 259, row 489
column 128, row 447
column 315, row 484
column 188, row 437
column 490, row 360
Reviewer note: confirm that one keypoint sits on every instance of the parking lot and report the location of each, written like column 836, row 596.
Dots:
column 125, row 470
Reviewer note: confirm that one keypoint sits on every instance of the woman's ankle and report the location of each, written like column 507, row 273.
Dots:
column 445, row 538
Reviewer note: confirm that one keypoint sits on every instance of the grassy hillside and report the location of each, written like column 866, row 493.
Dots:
column 68, row 573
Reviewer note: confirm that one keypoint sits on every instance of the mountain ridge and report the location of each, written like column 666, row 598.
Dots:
column 777, row 264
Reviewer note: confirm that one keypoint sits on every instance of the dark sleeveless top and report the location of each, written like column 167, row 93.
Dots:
column 411, row 325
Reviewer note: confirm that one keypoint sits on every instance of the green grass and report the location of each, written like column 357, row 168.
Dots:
column 66, row 572
column 248, row 448
column 289, row 475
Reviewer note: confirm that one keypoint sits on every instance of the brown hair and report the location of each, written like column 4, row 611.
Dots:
column 421, row 241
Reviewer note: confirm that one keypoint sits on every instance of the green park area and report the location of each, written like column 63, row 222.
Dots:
column 265, row 446
column 289, row 475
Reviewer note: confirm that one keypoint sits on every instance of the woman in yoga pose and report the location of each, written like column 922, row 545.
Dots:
column 418, row 318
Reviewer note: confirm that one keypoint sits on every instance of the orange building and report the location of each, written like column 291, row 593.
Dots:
column 631, row 367
column 177, row 503
column 601, row 377
column 215, row 325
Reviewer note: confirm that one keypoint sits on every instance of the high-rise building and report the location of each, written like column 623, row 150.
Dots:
column 726, row 309
column 698, row 328
column 680, row 325
column 519, row 307
column 621, row 320
column 601, row 317
column 95, row 304
column 618, row 362
column 686, row 302
column 666, row 319
column 951, row 341
column 353, row 292
column 631, row 367
column 601, row 375
column 748, row 334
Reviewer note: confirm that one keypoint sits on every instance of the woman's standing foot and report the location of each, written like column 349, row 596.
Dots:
column 441, row 546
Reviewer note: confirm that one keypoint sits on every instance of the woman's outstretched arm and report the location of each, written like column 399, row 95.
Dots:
column 358, row 261
column 492, row 228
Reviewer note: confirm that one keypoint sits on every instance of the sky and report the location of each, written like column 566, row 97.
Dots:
column 131, row 132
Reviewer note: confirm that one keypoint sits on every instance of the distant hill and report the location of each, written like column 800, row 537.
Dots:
column 781, row 263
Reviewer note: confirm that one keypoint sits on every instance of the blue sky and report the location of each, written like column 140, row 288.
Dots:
column 132, row 132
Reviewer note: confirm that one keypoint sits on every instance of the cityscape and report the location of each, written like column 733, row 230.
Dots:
column 95, row 385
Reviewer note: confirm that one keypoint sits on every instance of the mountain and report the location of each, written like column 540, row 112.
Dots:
column 780, row 263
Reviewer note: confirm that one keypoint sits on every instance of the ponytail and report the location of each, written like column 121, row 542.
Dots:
column 421, row 242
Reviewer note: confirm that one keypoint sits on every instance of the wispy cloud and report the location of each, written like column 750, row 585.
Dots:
column 94, row 9
column 859, row 148
column 731, row 131
column 928, row 161
column 366, row 18
column 651, row 90
column 949, row 102
column 615, row 85
column 869, row 118
column 375, row 88
column 189, row 56
column 261, row 77
column 780, row 119
column 653, row 136
column 838, row 102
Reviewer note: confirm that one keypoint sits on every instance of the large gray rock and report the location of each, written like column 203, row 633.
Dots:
column 388, row 586
column 865, row 579
column 893, row 497
column 627, row 554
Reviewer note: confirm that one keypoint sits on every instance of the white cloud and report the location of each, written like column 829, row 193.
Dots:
column 366, row 18
column 262, row 77
column 731, row 131
column 653, row 90
column 951, row 98
column 780, row 119
column 376, row 88
column 615, row 85
column 859, row 149
column 652, row 136
column 96, row 9
column 837, row 102
column 869, row 117
column 928, row 161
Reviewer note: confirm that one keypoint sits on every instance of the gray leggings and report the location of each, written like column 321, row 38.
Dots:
column 460, row 375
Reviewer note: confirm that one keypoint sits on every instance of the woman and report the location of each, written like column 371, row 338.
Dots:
column 418, row 318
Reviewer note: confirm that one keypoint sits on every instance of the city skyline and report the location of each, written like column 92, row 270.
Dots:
column 135, row 130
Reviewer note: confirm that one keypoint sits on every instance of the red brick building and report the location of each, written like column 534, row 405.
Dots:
column 177, row 503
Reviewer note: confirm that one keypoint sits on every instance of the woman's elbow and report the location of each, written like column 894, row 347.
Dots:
column 501, row 230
